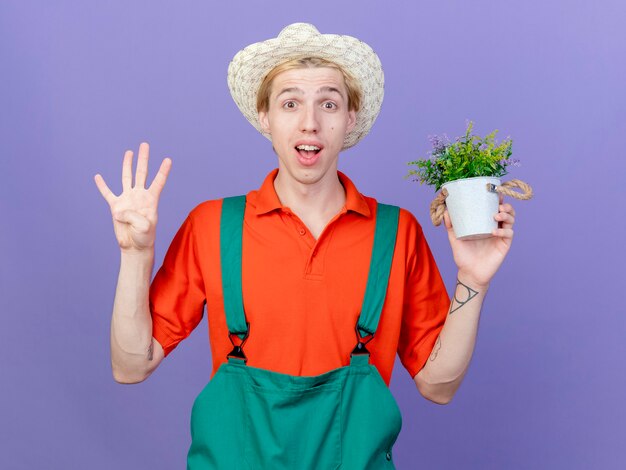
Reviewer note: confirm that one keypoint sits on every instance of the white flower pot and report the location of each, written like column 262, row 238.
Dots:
column 472, row 206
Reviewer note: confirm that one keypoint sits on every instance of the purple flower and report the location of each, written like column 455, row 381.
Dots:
column 439, row 143
column 514, row 162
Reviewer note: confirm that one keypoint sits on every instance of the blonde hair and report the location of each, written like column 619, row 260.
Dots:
column 352, row 85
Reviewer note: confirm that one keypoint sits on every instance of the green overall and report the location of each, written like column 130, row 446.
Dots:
column 252, row 418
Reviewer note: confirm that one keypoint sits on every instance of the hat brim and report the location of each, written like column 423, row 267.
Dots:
column 251, row 65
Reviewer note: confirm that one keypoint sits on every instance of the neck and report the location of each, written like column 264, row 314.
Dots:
column 322, row 199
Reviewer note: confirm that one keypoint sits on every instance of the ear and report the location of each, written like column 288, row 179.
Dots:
column 264, row 121
column 351, row 120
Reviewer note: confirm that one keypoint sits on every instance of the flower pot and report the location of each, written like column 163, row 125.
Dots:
column 471, row 207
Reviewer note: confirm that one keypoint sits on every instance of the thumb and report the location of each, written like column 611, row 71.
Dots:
column 135, row 219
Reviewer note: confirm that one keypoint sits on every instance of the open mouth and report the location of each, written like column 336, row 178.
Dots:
column 308, row 151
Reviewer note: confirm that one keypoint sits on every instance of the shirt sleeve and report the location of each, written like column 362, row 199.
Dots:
column 426, row 303
column 177, row 294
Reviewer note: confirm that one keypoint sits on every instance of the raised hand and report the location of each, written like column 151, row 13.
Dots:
column 135, row 210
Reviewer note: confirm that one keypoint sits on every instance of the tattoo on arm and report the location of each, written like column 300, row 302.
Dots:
column 471, row 293
column 436, row 348
column 151, row 350
column 458, row 303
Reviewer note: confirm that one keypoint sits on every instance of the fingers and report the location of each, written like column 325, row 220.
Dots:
column 140, row 176
column 142, row 165
column 502, row 232
column 506, row 219
column 127, row 171
column 508, row 208
column 161, row 177
column 506, row 216
column 108, row 196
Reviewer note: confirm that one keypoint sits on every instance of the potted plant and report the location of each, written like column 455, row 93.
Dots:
column 468, row 173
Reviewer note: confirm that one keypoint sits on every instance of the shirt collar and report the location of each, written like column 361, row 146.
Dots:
column 267, row 199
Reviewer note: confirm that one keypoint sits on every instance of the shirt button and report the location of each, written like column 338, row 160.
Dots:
column 388, row 455
column 301, row 231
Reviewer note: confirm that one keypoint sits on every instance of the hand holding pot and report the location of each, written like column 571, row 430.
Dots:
column 478, row 260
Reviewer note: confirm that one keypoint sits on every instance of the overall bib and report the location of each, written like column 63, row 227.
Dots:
column 252, row 418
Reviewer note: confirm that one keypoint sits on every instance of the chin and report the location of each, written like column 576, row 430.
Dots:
column 307, row 176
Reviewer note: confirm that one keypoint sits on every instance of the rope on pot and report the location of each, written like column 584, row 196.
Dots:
column 527, row 191
column 438, row 206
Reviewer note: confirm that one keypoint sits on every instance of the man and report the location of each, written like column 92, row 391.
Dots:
column 294, row 284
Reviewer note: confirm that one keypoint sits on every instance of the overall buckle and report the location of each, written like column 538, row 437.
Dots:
column 361, row 342
column 237, row 352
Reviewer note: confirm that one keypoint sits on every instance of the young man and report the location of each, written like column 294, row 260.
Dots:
column 294, row 283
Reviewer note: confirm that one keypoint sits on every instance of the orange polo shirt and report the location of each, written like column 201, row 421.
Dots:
column 302, row 296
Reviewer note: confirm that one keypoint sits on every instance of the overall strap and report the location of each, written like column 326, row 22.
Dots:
column 231, row 234
column 380, row 266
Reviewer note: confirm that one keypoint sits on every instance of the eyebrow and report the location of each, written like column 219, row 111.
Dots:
column 324, row 89
column 330, row 89
column 290, row 90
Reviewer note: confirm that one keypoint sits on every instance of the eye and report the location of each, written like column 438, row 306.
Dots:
column 289, row 104
column 329, row 105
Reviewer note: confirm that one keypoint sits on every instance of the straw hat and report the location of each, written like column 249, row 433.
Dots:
column 250, row 66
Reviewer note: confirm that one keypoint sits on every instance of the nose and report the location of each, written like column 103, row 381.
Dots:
column 309, row 119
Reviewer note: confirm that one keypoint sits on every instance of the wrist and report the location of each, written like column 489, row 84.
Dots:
column 142, row 260
column 138, row 254
column 471, row 281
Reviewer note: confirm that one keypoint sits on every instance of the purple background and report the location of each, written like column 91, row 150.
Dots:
column 81, row 82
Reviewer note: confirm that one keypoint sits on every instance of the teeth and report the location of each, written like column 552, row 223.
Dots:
column 307, row 147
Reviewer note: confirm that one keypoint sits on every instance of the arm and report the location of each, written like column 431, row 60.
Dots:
column 478, row 261
column 445, row 369
column 135, row 354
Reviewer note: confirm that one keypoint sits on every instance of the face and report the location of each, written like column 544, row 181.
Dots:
column 308, row 119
